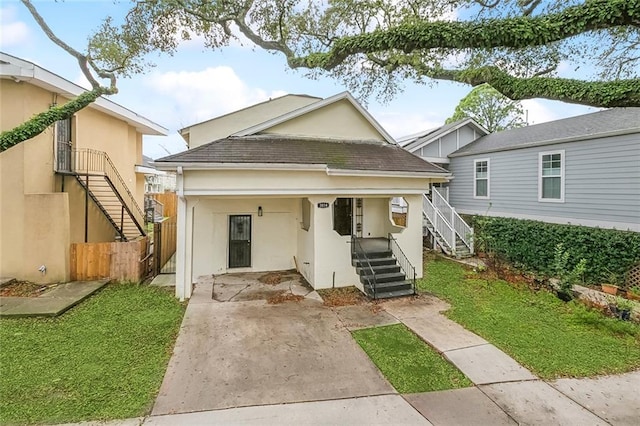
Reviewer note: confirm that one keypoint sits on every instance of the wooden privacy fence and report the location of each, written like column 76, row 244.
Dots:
column 116, row 260
column 164, row 245
column 170, row 202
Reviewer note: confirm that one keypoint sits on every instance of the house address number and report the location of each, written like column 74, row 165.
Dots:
column 323, row 205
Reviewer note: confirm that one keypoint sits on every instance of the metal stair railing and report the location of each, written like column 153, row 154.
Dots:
column 403, row 261
column 89, row 161
column 441, row 226
column 463, row 230
column 358, row 253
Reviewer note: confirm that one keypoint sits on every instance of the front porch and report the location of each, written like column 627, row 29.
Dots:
column 314, row 235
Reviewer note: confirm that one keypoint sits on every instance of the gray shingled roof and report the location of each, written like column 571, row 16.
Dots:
column 346, row 155
column 588, row 126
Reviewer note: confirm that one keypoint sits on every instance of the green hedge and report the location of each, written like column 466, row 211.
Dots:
column 530, row 244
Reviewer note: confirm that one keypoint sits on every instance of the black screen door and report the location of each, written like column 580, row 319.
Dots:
column 342, row 216
column 239, row 241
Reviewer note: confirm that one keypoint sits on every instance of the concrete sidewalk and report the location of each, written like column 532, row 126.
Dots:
column 53, row 302
column 506, row 392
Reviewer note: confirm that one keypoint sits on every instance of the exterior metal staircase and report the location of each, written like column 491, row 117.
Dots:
column 383, row 268
column 98, row 176
column 450, row 232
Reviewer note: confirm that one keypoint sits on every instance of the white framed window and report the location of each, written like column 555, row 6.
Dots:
column 551, row 176
column 481, row 179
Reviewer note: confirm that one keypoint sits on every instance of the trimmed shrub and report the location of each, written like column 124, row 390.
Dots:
column 531, row 245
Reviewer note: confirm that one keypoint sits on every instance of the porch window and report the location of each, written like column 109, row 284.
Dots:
column 551, row 176
column 342, row 216
column 399, row 208
column 306, row 214
column 481, row 178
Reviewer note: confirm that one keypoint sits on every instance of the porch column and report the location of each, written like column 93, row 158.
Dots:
column 181, row 255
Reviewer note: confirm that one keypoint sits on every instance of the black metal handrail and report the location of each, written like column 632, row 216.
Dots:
column 358, row 252
column 403, row 261
column 90, row 161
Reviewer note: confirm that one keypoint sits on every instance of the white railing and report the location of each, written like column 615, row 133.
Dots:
column 446, row 232
column 462, row 229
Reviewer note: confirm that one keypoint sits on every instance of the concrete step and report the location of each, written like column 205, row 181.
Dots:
column 378, row 269
column 384, row 278
column 375, row 262
column 394, row 293
column 378, row 254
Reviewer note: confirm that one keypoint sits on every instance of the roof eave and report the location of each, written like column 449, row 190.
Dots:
column 550, row 142
column 20, row 70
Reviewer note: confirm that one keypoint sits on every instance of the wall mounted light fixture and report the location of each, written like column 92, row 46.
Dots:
column 259, row 210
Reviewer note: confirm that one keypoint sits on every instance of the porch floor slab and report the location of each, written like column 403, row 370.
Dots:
column 235, row 354
column 244, row 287
column 51, row 303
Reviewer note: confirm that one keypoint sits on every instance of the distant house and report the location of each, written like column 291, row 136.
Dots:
column 75, row 182
column 156, row 181
column 582, row 170
column 300, row 182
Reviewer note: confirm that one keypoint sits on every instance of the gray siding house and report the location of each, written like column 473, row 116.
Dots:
column 582, row 170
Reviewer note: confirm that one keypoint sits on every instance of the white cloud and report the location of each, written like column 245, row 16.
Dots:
column 12, row 32
column 195, row 96
column 536, row 112
column 541, row 110
column 399, row 124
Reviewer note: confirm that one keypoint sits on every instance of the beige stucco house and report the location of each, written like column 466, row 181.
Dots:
column 300, row 182
column 45, row 205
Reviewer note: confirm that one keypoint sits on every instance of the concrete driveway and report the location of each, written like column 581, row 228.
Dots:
column 244, row 352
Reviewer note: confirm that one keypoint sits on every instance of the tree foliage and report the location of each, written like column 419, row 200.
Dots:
column 489, row 108
column 515, row 46
column 518, row 47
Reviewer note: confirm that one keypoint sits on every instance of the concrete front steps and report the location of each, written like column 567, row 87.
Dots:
column 389, row 281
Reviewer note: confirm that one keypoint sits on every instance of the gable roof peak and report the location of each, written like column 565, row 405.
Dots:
column 316, row 106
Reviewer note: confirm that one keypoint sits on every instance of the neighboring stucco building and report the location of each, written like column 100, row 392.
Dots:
column 582, row 170
column 43, row 180
column 288, row 187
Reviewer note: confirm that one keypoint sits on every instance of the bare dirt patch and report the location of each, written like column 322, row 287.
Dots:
column 342, row 296
column 283, row 297
column 24, row 289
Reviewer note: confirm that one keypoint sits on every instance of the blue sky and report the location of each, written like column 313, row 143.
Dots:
column 197, row 83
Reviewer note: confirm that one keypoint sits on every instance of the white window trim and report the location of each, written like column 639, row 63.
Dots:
column 475, row 180
column 551, row 200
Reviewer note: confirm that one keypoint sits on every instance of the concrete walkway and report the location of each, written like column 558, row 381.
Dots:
column 505, row 393
column 51, row 303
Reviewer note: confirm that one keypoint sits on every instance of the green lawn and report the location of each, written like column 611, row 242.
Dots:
column 548, row 336
column 407, row 362
column 104, row 359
